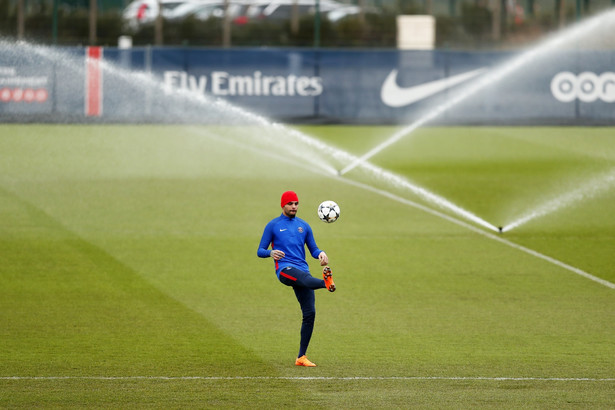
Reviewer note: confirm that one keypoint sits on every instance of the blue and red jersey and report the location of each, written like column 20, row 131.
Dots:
column 289, row 235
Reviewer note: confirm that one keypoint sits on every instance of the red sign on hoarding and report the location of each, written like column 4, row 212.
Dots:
column 93, row 82
column 28, row 95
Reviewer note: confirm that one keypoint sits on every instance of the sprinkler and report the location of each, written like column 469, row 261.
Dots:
column 501, row 229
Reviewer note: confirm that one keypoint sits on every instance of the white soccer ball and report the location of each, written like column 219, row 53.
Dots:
column 328, row 211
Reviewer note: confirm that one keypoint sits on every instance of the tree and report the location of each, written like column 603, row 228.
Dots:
column 159, row 26
column 93, row 19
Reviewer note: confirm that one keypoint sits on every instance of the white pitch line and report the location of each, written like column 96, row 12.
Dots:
column 489, row 235
column 324, row 378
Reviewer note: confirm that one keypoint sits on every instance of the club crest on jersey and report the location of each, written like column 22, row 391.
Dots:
column 300, row 229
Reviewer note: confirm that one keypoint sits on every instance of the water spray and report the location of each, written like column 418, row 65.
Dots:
column 588, row 190
column 493, row 76
column 218, row 108
column 430, row 197
column 312, row 151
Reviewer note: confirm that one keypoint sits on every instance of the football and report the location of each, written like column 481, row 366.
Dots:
column 328, row 211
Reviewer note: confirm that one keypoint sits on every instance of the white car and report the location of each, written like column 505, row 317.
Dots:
column 282, row 9
column 342, row 12
column 140, row 12
column 205, row 9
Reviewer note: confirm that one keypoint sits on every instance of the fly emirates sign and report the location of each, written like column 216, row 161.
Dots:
column 222, row 83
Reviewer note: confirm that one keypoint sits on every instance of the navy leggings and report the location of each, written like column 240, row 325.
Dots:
column 303, row 284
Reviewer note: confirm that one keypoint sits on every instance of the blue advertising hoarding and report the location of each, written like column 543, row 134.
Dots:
column 351, row 86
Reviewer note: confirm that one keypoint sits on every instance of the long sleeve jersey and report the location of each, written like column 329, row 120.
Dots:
column 289, row 235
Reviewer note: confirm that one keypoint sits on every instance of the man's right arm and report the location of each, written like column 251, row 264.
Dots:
column 263, row 247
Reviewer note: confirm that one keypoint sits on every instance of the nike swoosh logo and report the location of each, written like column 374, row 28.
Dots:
column 282, row 230
column 395, row 96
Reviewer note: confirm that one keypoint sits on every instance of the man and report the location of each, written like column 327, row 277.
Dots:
column 288, row 236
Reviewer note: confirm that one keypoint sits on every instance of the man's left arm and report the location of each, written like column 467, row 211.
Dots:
column 313, row 248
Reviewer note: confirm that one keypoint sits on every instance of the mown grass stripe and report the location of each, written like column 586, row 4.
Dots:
column 339, row 378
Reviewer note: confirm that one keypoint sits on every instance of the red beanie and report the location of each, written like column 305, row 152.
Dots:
column 289, row 196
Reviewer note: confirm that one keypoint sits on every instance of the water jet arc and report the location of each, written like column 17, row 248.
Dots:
column 507, row 68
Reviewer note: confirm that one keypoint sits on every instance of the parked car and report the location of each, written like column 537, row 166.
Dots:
column 205, row 9
column 343, row 12
column 140, row 12
column 282, row 9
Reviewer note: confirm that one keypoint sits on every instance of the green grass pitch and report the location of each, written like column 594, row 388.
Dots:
column 129, row 276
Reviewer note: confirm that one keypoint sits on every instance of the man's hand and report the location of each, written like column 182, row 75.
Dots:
column 276, row 254
column 323, row 258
